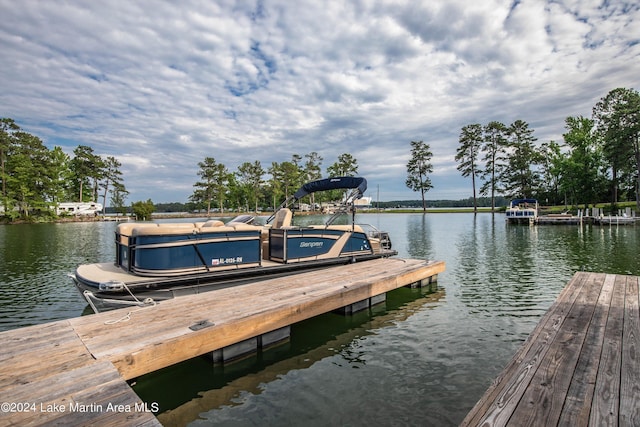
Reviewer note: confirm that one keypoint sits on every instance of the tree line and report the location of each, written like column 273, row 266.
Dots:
column 35, row 179
column 246, row 189
column 598, row 159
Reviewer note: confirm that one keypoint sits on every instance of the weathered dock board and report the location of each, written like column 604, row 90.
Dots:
column 73, row 372
column 579, row 367
column 48, row 377
column 160, row 336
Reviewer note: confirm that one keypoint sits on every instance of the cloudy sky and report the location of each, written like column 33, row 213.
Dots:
column 161, row 85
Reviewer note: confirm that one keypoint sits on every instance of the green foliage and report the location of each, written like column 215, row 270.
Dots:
column 250, row 182
column 346, row 165
column 111, row 176
column 60, row 174
column 28, row 175
column 617, row 120
column 213, row 184
column 520, row 176
column 599, row 158
column 419, row 168
column 85, row 168
column 143, row 210
column 35, row 179
column 247, row 188
column 551, row 173
column 118, row 196
column 7, row 134
column 471, row 138
column 313, row 171
column 286, row 179
column 494, row 149
column 312, row 167
column 582, row 165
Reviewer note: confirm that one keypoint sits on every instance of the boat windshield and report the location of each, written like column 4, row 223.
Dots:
column 245, row 219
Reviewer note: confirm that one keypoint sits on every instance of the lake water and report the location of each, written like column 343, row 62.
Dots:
column 421, row 358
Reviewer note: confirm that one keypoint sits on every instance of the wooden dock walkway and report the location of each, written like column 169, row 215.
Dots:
column 74, row 372
column 579, row 367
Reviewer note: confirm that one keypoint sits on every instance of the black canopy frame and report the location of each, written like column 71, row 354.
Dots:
column 357, row 185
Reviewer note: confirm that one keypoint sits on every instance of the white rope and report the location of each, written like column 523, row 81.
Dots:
column 127, row 317
column 148, row 302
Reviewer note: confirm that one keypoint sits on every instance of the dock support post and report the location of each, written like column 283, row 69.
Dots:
column 362, row 305
column 251, row 346
column 427, row 282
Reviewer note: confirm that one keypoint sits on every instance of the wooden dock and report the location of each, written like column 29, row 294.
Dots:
column 561, row 219
column 579, row 367
column 74, row 372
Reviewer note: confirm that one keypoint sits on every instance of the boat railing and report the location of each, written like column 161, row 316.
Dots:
column 374, row 233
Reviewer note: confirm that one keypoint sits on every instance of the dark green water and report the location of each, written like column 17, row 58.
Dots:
column 419, row 359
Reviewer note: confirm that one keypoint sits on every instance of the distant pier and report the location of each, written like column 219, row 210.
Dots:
column 594, row 216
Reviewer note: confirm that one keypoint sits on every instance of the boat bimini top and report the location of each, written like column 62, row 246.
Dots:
column 357, row 185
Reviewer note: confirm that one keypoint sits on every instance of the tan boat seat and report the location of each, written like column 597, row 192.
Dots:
column 177, row 224
column 212, row 223
column 283, row 218
column 126, row 229
column 243, row 226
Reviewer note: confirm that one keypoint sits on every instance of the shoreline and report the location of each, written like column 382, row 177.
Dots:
column 215, row 215
column 110, row 218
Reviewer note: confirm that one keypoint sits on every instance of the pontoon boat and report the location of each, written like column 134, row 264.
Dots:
column 156, row 261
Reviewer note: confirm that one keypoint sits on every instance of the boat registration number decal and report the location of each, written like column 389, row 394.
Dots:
column 222, row 261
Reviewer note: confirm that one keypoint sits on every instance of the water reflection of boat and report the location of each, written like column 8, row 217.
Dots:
column 522, row 211
column 156, row 261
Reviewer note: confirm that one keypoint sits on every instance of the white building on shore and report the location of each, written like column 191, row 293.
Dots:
column 77, row 208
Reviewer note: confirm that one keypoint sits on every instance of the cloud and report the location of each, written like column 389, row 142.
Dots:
column 161, row 85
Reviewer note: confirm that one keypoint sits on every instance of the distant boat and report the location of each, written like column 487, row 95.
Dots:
column 78, row 208
column 522, row 211
column 161, row 261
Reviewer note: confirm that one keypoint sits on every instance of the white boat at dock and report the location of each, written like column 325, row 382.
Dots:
column 522, row 211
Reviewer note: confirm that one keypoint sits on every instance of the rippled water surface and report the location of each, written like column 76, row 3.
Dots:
column 421, row 358
column 34, row 262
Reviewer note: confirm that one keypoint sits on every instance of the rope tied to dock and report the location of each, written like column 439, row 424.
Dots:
column 144, row 304
column 149, row 303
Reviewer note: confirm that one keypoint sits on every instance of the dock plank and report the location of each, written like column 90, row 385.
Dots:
column 543, row 400
column 81, row 364
column 158, row 337
column 630, row 387
column 56, row 343
column 604, row 410
column 579, row 366
column 81, row 396
column 34, row 338
column 579, row 397
column 498, row 404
